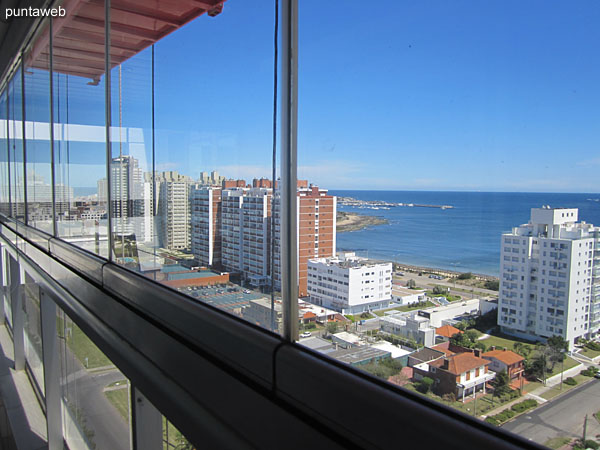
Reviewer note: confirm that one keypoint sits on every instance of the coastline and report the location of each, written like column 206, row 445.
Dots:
column 443, row 272
column 350, row 221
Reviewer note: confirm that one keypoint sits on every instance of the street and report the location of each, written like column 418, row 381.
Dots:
column 562, row 417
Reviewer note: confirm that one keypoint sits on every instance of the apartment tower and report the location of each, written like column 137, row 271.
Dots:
column 550, row 277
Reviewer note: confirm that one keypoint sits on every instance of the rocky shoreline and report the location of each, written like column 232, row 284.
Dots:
column 347, row 221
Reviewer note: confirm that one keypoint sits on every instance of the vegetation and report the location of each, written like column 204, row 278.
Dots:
column 119, row 398
column 590, row 371
column 411, row 284
column 501, row 383
column 383, row 369
column 593, row 346
column 465, row 276
column 425, row 385
column 508, row 414
column 557, row 442
column 583, row 445
column 570, row 381
column 332, row 327
column 467, row 339
column 597, row 416
column 492, row 285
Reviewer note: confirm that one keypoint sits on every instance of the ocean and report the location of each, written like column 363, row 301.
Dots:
column 465, row 238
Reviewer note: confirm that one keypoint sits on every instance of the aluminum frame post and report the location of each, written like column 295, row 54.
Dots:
column 289, row 176
column 3, row 283
column 146, row 423
column 50, row 352
column 18, row 315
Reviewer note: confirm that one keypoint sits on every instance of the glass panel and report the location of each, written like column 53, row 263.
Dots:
column 131, row 164
column 441, row 128
column 173, row 439
column 4, row 156
column 191, row 166
column 95, row 394
column 15, row 133
column 33, row 331
column 80, row 128
column 6, row 280
column 37, row 134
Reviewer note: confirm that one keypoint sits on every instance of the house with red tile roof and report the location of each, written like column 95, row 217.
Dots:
column 447, row 331
column 463, row 374
column 503, row 359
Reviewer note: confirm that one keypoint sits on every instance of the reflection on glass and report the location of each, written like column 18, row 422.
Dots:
column 4, row 155
column 37, row 134
column 33, row 331
column 95, row 394
column 441, row 129
column 15, row 146
column 80, row 132
column 173, row 439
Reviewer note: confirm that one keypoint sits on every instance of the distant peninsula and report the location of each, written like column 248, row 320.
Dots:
column 347, row 221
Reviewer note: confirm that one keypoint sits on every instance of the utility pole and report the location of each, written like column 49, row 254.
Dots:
column 584, row 427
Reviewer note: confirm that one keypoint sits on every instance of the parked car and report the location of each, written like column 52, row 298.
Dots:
column 597, row 375
column 305, row 334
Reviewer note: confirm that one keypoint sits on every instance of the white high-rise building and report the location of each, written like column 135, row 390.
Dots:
column 131, row 198
column 550, row 277
column 349, row 284
column 245, row 228
column 206, row 225
column 174, row 224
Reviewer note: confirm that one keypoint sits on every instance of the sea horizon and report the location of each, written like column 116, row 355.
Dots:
column 465, row 238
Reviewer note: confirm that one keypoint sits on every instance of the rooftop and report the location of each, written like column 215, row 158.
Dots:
column 460, row 363
column 508, row 357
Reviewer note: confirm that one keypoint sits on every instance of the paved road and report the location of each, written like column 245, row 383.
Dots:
column 561, row 417
column 85, row 392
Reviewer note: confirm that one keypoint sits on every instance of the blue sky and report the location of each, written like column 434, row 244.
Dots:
column 425, row 95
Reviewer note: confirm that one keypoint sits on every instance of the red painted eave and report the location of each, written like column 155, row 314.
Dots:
column 135, row 25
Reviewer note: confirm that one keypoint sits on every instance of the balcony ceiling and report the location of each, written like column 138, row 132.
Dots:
column 135, row 25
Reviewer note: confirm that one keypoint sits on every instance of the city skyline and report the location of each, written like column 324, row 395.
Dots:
column 507, row 102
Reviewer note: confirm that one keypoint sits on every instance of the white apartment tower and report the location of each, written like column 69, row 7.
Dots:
column 174, row 211
column 550, row 277
column 206, row 225
column 245, row 227
column 349, row 284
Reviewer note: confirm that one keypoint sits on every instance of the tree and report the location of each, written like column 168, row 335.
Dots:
column 440, row 290
column 501, row 383
column 472, row 335
column 462, row 340
column 332, row 327
column 480, row 345
column 465, row 276
column 557, row 347
column 492, row 285
column 411, row 284
column 425, row 385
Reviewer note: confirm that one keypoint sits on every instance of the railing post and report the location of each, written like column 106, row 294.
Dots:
column 3, row 283
column 18, row 316
column 289, row 176
column 146, row 423
column 50, row 352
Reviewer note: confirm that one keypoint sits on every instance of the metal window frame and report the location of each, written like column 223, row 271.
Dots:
column 226, row 383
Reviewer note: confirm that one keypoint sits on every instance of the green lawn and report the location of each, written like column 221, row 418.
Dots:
column 597, row 416
column 556, row 390
column 567, row 364
column 501, row 342
column 557, row 442
column 449, row 297
column 173, row 439
column 484, row 404
column 532, row 386
column 404, row 308
column 589, row 352
column 84, row 348
column 120, row 400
